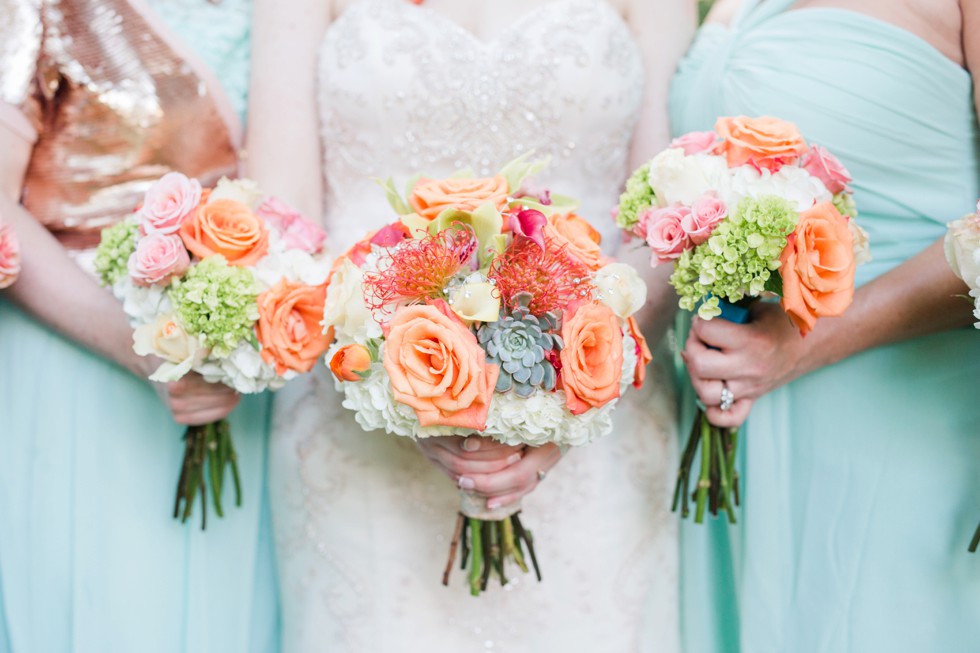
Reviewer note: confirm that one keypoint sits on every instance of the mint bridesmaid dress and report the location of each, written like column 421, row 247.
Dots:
column 90, row 559
column 862, row 479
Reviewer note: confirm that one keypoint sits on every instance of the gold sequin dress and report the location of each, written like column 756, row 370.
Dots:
column 107, row 97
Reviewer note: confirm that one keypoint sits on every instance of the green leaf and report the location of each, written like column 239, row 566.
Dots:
column 391, row 194
column 520, row 169
column 774, row 284
column 410, row 184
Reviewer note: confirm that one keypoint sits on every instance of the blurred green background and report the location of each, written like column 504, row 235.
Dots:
column 703, row 7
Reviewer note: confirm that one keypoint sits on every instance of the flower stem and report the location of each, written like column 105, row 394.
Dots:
column 704, row 482
column 682, row 488
column 725, row 486
column 975, row 542
column 457, row 533
column 476, row 557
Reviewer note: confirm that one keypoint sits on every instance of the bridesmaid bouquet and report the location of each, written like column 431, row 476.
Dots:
column 9, row 256
column 483, row 310
column 745, row 211
column 963, row 253
column 219, row 282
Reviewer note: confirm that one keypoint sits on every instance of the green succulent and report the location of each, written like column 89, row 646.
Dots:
column 519, row 344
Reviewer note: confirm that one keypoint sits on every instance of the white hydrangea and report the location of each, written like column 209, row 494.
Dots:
column 141, row 304
column 244, row 370
column 292, row 264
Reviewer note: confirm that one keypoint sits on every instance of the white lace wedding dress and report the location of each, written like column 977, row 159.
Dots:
column 363, row 520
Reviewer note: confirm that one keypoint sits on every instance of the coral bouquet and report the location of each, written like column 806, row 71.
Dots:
column 482, row 310
column 225, row 283
column 746, row 211
column 9, row 256
column 963, row 253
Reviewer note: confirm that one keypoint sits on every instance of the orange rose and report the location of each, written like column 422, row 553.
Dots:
column 643, row 353
column 351, row 363
column 818, row 267
column 592, row 358
column 228, row 228
column 289, row 326
column 430, row 197
column 765, row 142
column 437, row 367
column 578, row 236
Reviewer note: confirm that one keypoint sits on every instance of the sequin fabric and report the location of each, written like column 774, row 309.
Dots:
column 363, row 520
column 115, row 103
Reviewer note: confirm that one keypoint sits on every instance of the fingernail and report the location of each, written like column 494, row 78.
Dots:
column 470, row 444
column 466, row 483
column 514, row 457
column 493, row 504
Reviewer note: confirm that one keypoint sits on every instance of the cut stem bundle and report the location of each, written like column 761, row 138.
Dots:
column 487, row 546
column 207, row 445
column 717, row 485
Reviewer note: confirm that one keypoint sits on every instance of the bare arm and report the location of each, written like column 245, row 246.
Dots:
column 663, row 30
column 54, row 291
column 283, row 137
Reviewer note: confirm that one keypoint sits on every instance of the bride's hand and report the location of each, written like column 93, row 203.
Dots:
column 751, row 359
column 510, row 484
column 460, row 457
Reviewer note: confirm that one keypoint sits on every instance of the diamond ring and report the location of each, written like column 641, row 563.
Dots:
column 727, row 397
column 542, row 475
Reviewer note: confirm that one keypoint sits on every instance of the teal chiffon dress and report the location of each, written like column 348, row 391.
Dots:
column 862, row 479
column 90, row 559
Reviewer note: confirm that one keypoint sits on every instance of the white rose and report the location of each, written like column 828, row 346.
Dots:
column 963, row 249
column 345, row 309
column 620, row 288
column 862, row 244
column 245, row 191
column 791, row 183
column 166, row 338
column 678, row 178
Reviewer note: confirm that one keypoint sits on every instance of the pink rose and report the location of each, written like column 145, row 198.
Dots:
column 824, row 166
column 296, row 231
column 157, row 258
column 695, row 142
column 706, row 213
column 9, row 256
column 167, row 203
column 665, row 234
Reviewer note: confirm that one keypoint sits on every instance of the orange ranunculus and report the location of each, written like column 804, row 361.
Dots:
column 437, row 367
column 765, row 142
column 351, row 363
column 289, row 326
column 818, row 267
column 592, row 357
column 643, row 353
column 227, row 228
column 579, row 238
column 430, row 197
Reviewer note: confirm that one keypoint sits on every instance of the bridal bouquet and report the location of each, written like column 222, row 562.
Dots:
column 225, row 283
column 744, row 211
column 9, row 256
column 483, row 310
column 963, row 253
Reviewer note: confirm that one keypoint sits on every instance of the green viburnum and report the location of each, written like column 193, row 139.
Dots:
column 216, row 301
column 637, row 197
column 112, row 257
column 738, row 259
column 845, row 204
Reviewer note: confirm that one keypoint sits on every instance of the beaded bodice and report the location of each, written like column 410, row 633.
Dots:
column 404, row 90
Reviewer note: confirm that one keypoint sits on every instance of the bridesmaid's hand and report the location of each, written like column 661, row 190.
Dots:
column 460, row 457
column 194, row 401
column 752, row 359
